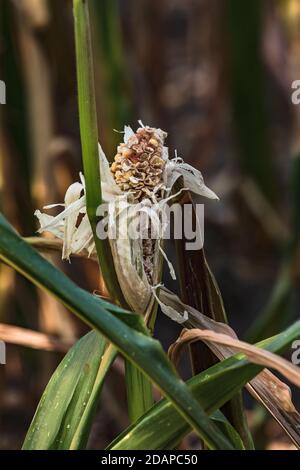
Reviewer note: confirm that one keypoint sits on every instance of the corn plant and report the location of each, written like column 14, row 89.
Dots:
column 141, row 179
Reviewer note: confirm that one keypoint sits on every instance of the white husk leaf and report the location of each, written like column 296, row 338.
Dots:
column 192, row 178
column 129, row 269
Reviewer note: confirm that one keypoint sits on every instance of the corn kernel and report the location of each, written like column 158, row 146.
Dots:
column 127, row 152
column 153, row 143
column 114, row 167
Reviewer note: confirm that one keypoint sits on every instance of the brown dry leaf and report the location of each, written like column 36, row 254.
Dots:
column 279, row 445
column 254, row 354
column 222, row 340
column 34, row 339
column 276, row 397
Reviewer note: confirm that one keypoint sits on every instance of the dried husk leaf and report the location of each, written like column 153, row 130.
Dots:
column 253, row 353
column 222, row 340
column 143, row 176
column 129, row 269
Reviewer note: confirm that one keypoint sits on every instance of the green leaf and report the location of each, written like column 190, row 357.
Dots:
column 140, row 349
column 213, row 388
column 64, row 415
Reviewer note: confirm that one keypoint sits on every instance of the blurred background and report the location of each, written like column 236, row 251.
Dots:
column 217, row 76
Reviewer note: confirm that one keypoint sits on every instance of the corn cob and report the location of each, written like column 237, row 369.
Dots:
column 138, row 169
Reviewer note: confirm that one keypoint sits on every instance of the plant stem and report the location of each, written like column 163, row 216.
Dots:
column 89, row 141
column 139, row 388
column 139, row 392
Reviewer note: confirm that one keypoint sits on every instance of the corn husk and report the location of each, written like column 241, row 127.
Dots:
column 139, row 181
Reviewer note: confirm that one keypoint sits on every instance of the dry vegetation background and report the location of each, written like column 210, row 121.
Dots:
column 215, row 74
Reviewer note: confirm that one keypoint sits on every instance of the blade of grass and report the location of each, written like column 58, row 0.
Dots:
column 80, row 437
column 64, row 415
column 145, row 352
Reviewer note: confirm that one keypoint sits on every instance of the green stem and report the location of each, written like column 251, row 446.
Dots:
column 139, row 392
column 138, row 387
column 89, row 141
